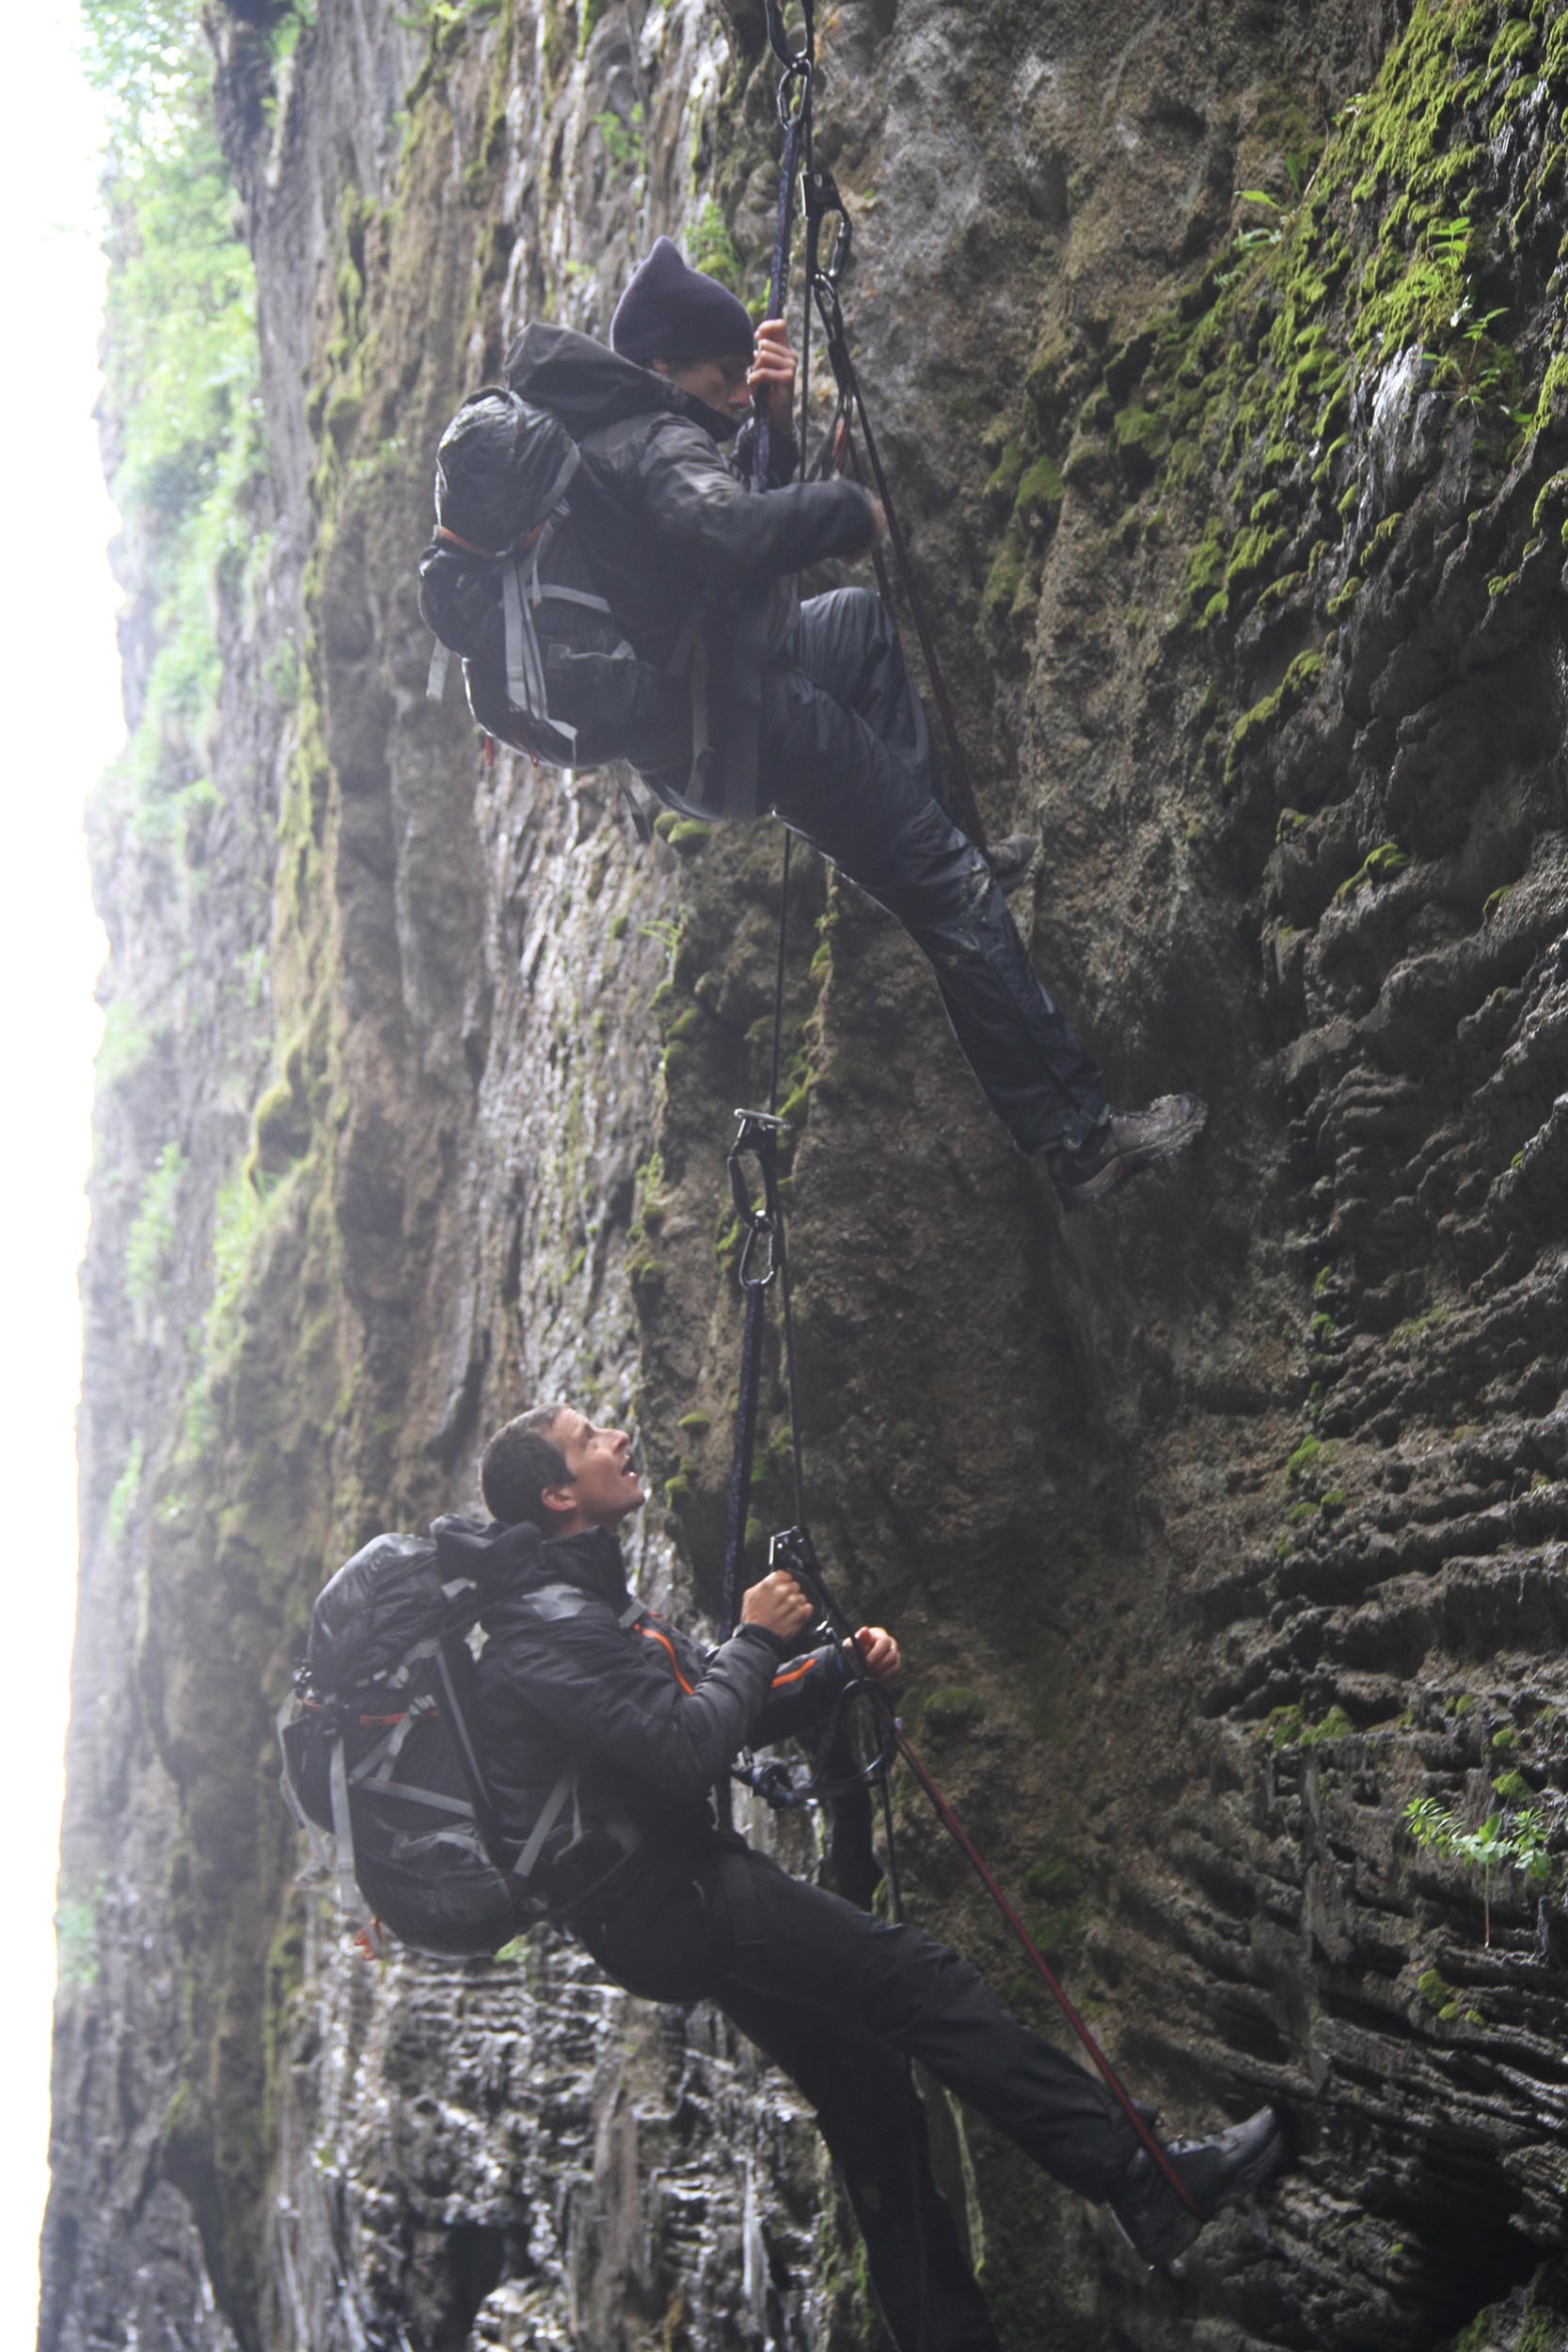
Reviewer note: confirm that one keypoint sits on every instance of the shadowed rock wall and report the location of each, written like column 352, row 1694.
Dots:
column 1218, row 1526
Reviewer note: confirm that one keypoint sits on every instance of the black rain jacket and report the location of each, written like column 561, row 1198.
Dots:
column 697, row 571
column 574, row 1672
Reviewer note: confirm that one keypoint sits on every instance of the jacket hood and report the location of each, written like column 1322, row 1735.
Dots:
column 588, row 386
column 507, row 1560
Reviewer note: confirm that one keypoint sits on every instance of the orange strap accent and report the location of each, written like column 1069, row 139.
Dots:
column 780, row 1680
column 651, row 1633
column 470, row 547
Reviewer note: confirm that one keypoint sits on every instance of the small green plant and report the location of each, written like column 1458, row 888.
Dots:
column 1519, row 1844
column 244, row 1210
column 710, row 247
column 1288, row 1727
column 954, row 1709
column 666, row 930
column 151, row 1236
column 123, row 1502
column 1262, row 232
column 1310, row 1453
column 281, row 673
column 1379, row 865
column 1474, row 382
column 298, row 16
column 439, row 16
column 1406, row 1334
column 127, row 1042
column 1336, row 1725
column 625, row 142
column 76, row 1940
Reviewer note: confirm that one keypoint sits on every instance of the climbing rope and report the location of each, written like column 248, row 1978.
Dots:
column 794, row 1551
column 820, row 201
column 763, row 1263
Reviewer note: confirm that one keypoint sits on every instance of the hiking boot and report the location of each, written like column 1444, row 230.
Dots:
column 1220, row 2170
column 1123, row 1144
column 1010, row 859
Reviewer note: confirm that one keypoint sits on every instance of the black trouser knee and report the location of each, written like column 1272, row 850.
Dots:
column 847, row 760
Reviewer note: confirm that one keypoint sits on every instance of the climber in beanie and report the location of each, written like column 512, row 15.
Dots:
column 577, row 1677
column 754, row 702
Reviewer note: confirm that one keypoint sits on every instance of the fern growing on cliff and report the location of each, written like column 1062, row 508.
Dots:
column 1503, row 1841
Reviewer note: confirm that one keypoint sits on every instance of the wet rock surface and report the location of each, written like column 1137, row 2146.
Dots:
column 1220, row 1526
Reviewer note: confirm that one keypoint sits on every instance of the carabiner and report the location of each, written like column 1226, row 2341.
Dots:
column 759, row 1135
column 798, row 69
column 759, row 1225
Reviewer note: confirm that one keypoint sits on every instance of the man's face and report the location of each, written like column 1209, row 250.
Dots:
column 721, row 384
column 605, row 1488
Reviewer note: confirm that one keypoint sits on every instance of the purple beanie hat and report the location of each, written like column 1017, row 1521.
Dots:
column 671, row 311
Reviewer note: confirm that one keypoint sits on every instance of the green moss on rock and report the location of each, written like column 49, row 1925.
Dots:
column 954, row 1709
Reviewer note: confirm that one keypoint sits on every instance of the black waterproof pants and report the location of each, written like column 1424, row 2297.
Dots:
column 841, row 2001
column 846, row 760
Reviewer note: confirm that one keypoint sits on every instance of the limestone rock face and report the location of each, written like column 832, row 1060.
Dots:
column 1217, row 359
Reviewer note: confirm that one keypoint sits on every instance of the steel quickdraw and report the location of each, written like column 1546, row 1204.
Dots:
column 762, row 1263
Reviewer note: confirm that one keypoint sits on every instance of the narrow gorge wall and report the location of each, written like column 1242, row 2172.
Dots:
column 1219, row 360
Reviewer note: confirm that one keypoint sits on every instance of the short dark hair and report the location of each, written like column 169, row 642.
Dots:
column 519, row 1464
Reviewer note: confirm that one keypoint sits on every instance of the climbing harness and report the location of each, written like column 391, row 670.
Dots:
column 764, row 1262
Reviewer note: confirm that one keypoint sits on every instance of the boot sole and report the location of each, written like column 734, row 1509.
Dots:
column 1127, row 1164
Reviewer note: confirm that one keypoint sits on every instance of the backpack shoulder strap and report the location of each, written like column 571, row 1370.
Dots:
column 349, row 1897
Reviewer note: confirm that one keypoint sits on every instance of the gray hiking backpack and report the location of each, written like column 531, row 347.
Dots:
column 505, row 585
column 382, row 1763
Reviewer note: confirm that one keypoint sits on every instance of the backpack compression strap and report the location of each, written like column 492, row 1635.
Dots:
column 522, row 593
column 554, row 1804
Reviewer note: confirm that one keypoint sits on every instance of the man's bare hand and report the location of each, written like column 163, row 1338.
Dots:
column 777, row 1603
column 880, row 1655
column 773, row 367
column 878, row 529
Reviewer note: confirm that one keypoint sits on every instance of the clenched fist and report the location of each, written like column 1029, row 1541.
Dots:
column 777, row 1603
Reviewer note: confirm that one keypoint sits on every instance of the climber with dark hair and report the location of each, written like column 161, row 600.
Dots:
column 748, row 701
column 576, row 1674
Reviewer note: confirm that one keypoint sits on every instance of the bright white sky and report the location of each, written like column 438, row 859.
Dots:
column 62, row 725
